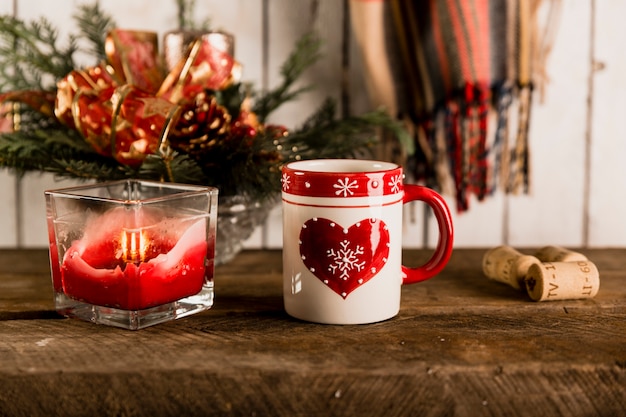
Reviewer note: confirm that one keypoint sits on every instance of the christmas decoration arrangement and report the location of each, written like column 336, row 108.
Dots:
column 183, row 115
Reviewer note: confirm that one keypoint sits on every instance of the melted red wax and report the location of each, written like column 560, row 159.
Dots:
column 92, row 271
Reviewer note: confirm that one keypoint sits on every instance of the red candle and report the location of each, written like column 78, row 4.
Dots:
column 145, row 265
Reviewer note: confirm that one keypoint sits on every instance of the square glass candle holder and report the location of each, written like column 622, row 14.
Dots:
column 132, row 253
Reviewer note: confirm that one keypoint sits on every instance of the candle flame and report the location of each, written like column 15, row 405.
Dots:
column 134, row 246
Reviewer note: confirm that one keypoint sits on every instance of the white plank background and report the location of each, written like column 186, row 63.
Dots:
column 607, row 205
column 577, row 133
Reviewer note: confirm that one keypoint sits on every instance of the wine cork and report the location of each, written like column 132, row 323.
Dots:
column 558, row 254
column 562, row 281
column 507, row 265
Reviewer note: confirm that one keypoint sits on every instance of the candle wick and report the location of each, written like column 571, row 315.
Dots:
column 133, row 246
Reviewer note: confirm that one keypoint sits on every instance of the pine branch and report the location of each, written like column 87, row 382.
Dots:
column 305, row 54
column 231, row 98
column 175, row 168
column 30, row 58
column 94, row 23
column 59, row 151
column 324, row 136
column 186, row 16
column 98, row 169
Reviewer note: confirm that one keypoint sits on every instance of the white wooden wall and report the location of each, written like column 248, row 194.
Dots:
column 578, row 132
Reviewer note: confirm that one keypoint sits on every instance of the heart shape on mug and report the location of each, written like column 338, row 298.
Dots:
column 344, row 259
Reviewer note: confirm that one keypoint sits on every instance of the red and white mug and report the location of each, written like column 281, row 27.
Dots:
column 342, row 239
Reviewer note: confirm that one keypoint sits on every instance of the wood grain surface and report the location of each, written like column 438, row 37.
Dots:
column 461, row 346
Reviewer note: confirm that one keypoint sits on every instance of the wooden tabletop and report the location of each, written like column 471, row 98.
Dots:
column 461, row 346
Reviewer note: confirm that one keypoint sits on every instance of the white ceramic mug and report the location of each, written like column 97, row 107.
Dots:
column 342, row 239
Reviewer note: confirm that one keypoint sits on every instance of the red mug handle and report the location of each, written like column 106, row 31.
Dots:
column 442, row 253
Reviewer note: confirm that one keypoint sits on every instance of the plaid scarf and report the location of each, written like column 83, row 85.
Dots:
column 456, row 71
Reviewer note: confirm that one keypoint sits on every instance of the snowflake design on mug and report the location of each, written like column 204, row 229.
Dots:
column 345, row 187
column 345, row 259
column 395, row 183
column 286, row 182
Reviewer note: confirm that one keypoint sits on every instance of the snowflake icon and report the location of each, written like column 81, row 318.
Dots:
column 344, row 260
column 395, row 183
column 345, row 187
column 286, row 182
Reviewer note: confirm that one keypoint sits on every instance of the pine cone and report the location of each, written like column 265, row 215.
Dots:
column 202, row 124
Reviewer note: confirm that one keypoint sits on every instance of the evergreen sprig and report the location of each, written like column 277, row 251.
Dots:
column 187, row 16
column 32, row 59
column 305, row 54
column 172, row 168
column 94, row 23
column 59, row 151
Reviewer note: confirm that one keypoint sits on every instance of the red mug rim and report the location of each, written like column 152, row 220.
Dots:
column 346, row 166
column 342, row 178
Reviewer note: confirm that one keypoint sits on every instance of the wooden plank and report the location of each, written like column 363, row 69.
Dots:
column 273, row 229
column 461, row 345
column 553, row 212
column 32, row 206
column 58, row 13
column 8, row 182
column 243, row 19
column 607, row 200
column 6, row 8
column 8, row 209
column 287, row 23
column 360, row 101
column 158, row 16
column 413, row 225
column 481, row 226
column 470, row 392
